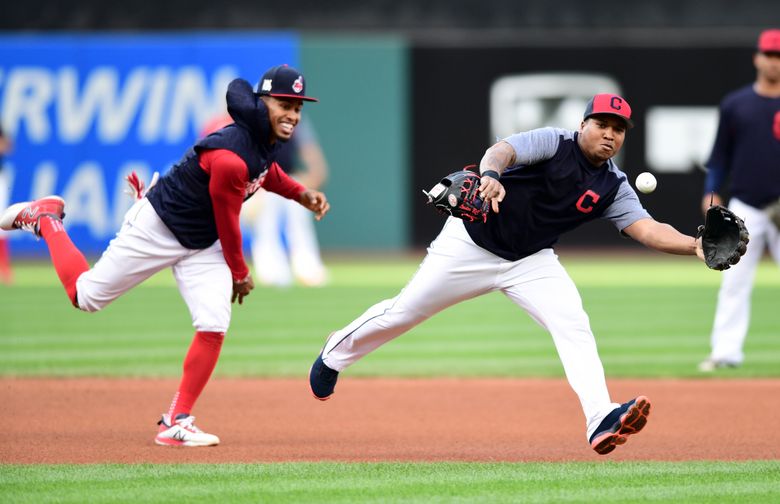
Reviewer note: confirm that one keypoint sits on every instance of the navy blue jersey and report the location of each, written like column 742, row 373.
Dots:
column 553, row 189
column 287, row 158
column 181, row 197
column 747, row 148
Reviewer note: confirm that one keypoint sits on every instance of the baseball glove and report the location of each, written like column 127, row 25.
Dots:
column 457, row 194
column 724, row 238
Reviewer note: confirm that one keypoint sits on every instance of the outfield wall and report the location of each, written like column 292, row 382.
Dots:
column 84, row 110
column 465, row 97
column 396, row 113
column 363, row 123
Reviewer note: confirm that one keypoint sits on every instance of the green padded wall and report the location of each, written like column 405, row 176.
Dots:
column 362, row 123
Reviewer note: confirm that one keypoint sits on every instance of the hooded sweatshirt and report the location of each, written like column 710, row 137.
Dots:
column 200, row 198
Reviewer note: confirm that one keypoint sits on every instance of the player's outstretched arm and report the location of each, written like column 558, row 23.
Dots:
column 664, row 238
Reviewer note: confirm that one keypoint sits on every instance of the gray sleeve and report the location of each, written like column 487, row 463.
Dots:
column 626, row 209
column 537, row 145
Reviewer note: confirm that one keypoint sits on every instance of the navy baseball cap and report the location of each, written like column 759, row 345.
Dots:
column 611, row 104
column 283, row 81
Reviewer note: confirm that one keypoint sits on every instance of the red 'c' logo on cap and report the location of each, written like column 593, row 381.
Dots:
column 298, row 84
column 615, row 102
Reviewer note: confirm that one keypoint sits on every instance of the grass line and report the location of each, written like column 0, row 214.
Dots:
column 744, row 482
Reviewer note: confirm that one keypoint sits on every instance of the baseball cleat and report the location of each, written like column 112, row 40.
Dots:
column 26, row 216
column 182, row 432
column 710, row 365
column 322, row 379
column 620, row 423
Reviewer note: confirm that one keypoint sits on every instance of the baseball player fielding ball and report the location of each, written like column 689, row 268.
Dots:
column 548, row 181
column 645, row 182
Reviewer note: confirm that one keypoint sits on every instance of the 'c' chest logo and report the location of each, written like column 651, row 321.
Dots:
column 587, row 200
column 253, row 186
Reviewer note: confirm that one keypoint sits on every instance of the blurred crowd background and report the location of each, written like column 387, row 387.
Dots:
column 409, row 91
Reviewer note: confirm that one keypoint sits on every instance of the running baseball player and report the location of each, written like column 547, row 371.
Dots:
column 545, row 182
column 189, row 221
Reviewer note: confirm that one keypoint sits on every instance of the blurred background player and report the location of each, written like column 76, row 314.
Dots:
column 189, row 222
column 284, row 243
column 747, row 153
column 6, row 274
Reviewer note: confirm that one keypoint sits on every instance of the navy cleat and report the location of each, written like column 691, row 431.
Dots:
column 322, row 379
column 620, row 423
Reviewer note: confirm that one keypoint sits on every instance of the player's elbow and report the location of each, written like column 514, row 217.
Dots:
column 641, row 231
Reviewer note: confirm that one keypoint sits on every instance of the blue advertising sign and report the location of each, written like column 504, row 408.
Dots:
column 85, row 110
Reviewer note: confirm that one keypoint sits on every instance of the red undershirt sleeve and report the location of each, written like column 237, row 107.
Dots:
column 227, row 183
column 280, row 183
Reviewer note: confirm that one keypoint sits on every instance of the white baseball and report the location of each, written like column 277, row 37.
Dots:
column 646, row 182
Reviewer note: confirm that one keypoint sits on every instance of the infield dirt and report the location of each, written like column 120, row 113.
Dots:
column 112, row 420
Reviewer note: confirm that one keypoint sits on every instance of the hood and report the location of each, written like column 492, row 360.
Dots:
column 247, row 109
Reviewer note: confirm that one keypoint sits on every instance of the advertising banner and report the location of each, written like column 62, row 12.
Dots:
column 85, row 110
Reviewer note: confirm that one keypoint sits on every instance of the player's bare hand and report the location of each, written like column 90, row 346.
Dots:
column 492, row 191
column 316, row 202
column 699, row 249
column 242, row 288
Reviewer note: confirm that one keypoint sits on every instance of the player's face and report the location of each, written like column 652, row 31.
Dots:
column 601, row 137
column 284, row 114
column 768, row 66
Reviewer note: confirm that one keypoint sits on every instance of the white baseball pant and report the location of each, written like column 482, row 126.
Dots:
column 732, row 316
column 144, row 246
column 456, row 269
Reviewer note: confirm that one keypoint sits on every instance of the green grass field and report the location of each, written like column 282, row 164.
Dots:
column 651, row 315
column 695, row 482
column 651, row 318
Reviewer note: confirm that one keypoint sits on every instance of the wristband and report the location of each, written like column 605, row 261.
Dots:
column 490, row 173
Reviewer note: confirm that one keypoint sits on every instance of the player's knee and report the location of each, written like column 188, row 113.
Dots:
column 211, row 329
column 212, row 316
column 91, row 297
column 211, row 323
column 406, row 315
column 88, row 305
column 85, row 302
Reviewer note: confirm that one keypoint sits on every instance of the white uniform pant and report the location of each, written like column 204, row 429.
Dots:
column 275, row 263
column 732, row 316
column 456, row 269
column 144, row 246
column 6, row 182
